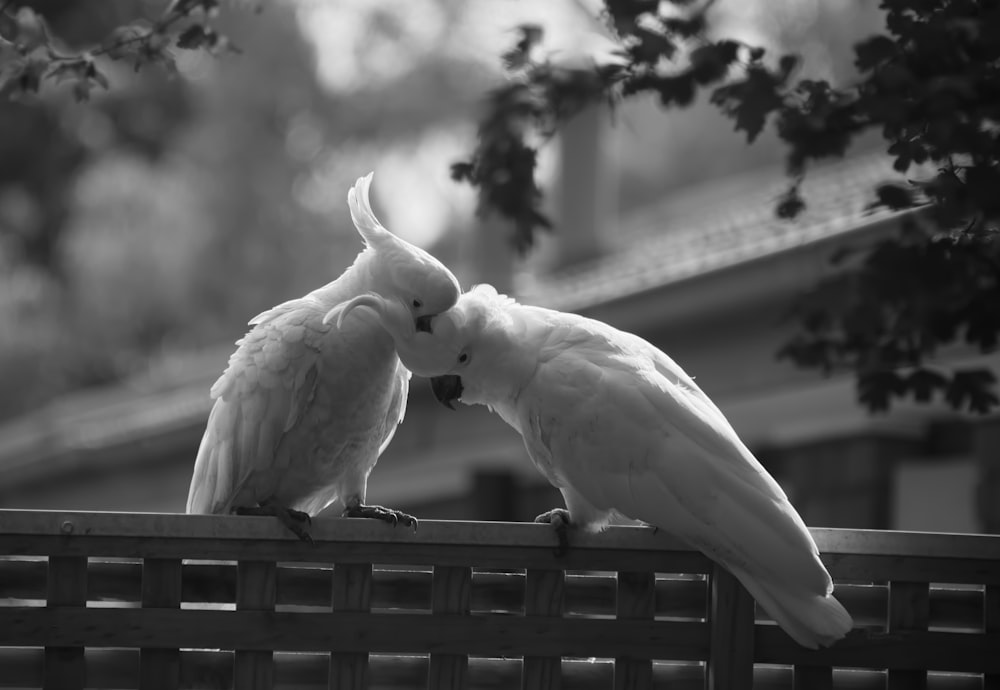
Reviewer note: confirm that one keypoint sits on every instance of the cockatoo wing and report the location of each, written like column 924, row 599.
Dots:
column 266, row 389
column 627, row 437
column 397, row 407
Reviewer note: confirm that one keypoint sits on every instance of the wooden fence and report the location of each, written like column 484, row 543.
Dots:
column 116, row 600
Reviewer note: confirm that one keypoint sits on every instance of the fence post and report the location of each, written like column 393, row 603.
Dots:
column 543, row 596
column 451, row 592
column 731, row 621
column 635, row 598
column 352, row 591
column 255, row 590
column 909, row 609
column 159, row 669
column 991, row 624
column 65, row 668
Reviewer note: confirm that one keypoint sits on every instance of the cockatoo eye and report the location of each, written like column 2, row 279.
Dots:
column 463, row 358
column 417, row 304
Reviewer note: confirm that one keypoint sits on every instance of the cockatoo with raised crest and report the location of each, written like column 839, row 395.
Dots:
column 305, row 407
column 619, row 428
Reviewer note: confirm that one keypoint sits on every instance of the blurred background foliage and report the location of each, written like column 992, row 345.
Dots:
column 162, row 215
column 158, row 217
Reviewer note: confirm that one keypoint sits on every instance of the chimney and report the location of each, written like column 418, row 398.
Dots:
column 583, row 203
column 586, row 193
column 488, row 255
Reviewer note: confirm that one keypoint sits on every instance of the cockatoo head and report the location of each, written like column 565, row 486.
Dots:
column 401, row 272
column 461, row 351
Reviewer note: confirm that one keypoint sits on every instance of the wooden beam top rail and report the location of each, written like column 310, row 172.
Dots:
column 452, row 533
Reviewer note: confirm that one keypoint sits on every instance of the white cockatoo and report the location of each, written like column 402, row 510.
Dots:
column 305, row 408
column 620, row 429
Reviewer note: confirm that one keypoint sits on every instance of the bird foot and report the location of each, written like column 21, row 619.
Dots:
column 389, row 515
column 295, row 520
column 560, row 521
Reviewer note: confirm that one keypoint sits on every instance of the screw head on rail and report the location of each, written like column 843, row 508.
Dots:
column 66, row 527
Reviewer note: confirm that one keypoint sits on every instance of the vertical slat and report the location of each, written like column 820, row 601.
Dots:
column 909, row 609
column 255, row 590
column 451, row 592
column 636, row 598
column 812, row 677
column 65, row 667
column 159, row 669
column 352, row 591
column 991, row 624
column 544, row 591
column 731, row 619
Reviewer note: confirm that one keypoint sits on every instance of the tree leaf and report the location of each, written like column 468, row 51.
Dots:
column 196, row 36
column 876, row 389
column 973, row 388
column 98, row 77
column 895, row 196
column 982, row 318
column 750, row 100
column 462, row 170
column 924, row 382
column 650, row 46
column 711, row 62
column 23, row 75
column 124, row 41
column 519, row 55
column 677, row 90
column 186, row 7
column 790, row 204
column 686, row 26
column 874, row 51
column 81, row 90
column 786, row 65
column 68, row 70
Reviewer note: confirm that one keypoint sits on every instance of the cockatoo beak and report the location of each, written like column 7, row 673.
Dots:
column 424, row 323
column 447, row 388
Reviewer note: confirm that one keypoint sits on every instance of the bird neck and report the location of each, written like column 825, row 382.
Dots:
column 512, row 368
column 358, row 278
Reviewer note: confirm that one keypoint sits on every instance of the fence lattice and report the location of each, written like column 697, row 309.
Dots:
column 150, row 601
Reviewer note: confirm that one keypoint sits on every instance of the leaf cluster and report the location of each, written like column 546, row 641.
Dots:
column 664, row 50
column 30, row 55
column 932, row 85
column 891, row 313
column 521, row 115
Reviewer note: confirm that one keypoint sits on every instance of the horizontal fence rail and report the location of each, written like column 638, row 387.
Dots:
column 125, row 600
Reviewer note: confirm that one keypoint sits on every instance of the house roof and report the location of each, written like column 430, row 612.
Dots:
column 687, row 234
column 706, row 228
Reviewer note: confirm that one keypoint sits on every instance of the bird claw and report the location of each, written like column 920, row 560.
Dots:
column 393, row 517
column 295, row 520
column 560, row 521
column 299, row 516
column 300, row 532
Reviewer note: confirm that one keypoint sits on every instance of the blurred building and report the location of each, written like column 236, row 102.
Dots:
column 707, row 274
